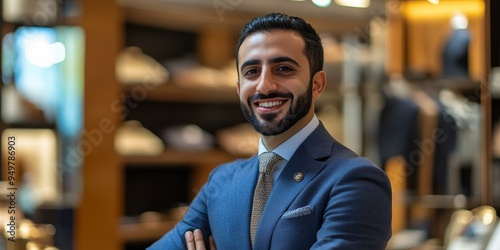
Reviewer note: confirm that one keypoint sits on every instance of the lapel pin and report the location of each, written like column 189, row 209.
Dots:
column 298, row 176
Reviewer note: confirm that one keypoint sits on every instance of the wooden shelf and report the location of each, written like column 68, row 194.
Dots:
column 176, row 93
column 180, row 157
column 144, row 231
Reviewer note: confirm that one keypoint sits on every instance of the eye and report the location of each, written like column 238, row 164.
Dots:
column 250, row 72
column 285, row 69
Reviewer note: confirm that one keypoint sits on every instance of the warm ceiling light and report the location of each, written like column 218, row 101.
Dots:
column 436, row 2
column 322, row 3
column 354, row 3
column 422, row 10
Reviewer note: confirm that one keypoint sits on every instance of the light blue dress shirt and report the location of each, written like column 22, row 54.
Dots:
column 288, row 147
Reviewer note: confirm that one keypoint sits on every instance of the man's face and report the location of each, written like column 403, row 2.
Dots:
column 274, row 81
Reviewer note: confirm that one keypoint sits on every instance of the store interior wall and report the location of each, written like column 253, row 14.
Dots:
column 382, row 67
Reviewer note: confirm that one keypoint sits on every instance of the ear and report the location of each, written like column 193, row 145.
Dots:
column 238, row 87
column 319, row 83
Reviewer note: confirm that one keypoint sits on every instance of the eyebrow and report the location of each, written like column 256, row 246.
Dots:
column 273, row 60
column 283, row 59
column 248, row 63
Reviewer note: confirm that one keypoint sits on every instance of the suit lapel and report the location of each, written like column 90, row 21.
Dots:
column 306, row 160
column 243, row 188
column 246, row 205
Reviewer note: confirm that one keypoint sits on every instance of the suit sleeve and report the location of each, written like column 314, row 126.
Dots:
column 195, row 218
column 358, row 214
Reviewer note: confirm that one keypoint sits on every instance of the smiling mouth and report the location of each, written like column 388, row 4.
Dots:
column 269, row 104
column 264, row 107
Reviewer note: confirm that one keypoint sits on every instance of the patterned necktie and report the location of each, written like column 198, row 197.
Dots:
column 267, row 161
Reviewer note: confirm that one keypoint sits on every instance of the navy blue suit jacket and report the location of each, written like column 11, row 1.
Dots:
column 343, row 202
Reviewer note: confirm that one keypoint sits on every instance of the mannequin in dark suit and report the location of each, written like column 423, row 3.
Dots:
column 324, row 195
column 456, row 49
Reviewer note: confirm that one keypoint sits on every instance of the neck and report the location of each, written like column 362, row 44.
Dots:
column 273, row 141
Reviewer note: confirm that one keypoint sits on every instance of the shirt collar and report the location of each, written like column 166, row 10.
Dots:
column 288, row 147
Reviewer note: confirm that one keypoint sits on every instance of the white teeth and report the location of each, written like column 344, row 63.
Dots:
column 269, row 104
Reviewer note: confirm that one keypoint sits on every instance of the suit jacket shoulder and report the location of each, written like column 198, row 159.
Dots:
column 342, row 200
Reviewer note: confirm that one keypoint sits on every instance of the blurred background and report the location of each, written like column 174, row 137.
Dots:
column 114, row 112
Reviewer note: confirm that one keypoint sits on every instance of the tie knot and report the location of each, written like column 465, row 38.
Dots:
column 267, row 161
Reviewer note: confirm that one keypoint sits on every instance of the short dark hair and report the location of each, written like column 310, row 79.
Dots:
column 278, row 21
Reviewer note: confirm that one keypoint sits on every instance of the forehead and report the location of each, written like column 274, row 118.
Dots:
column 268, row 44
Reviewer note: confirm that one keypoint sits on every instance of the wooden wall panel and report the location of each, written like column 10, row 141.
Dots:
column 97, row 216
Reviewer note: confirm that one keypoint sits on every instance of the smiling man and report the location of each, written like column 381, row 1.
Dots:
column 303, row 190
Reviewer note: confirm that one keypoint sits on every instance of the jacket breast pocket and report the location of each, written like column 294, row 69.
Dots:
column 298, row 212
column 297, row 228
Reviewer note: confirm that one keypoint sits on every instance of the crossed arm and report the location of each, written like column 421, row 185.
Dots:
column 194, row 240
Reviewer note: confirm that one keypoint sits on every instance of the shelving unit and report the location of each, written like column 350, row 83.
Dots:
column 172, row 92
column 179, row 157
column 176, row 174
column 51, row 172
column 174, row 101
column 146, row 231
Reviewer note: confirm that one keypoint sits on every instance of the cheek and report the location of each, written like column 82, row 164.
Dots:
column 300, row 89
column 245, row 91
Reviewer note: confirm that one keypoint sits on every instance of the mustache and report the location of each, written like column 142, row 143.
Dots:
column 260, row 96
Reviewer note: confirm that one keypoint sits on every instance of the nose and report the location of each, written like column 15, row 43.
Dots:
column 266, row 83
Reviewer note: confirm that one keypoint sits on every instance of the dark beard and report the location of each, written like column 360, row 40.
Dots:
column 271, row 126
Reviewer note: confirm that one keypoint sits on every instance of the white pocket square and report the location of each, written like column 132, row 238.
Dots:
column 301, row 211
